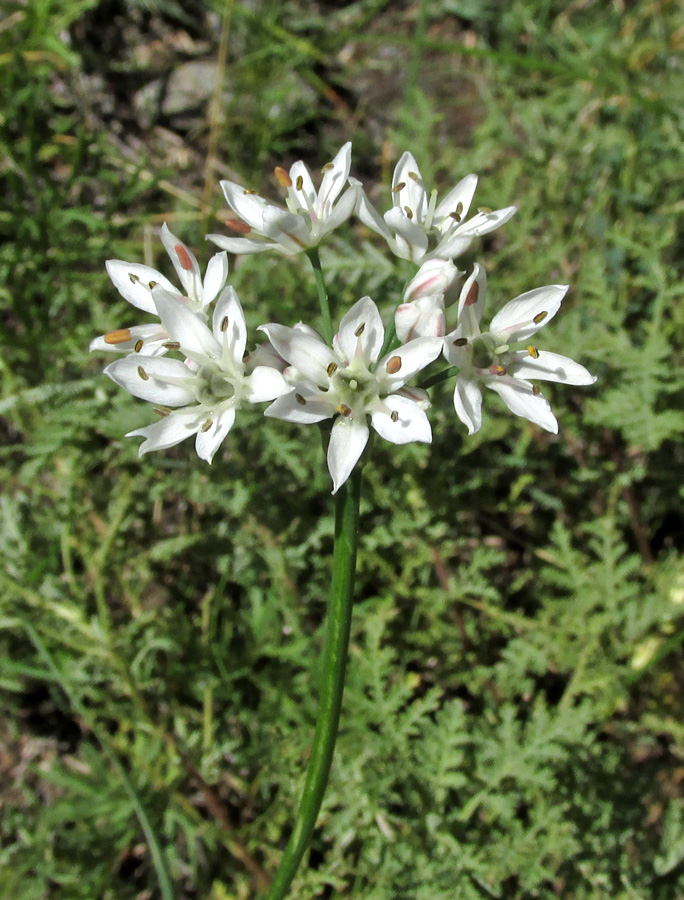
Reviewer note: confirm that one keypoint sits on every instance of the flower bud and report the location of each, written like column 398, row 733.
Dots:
column 434, row 277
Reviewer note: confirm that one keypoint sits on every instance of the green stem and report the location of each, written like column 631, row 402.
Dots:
column 334, row 666
column 328, row 330
column 439, row 376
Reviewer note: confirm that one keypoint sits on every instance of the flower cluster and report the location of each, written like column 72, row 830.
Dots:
column 191, row 363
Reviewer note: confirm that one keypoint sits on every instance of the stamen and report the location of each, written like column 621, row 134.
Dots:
column 300, row 182
column 143, row 374
column 206, row 426
column 300, row 399
column 152, row 285
column 250, row 191
column 224, row 323
column 120, row 336
column 344, row 410
column 534, row 353
column 414, row 175
column 138, row 345
column 282, row 177
column 394, row 415
column 408, row 211
column 393, row 365
column 327, row 167
column 484, row 209
column 238, row 225
column 473, row 294
column 134, row 278
column 399, row 187
column 460, row 342
column 495, row 369
column 536, row 390
column 172, row 345
column 540, row 317
column 359, row 331
column 432, row 205
column 332, row 368
column 162, row 411
column 183, row 257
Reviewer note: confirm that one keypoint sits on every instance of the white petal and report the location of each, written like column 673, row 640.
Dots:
column 185, row 326
column 249, row 207
column 228, row 323
column 471, row 302
column 184, row 262
column 484, row 222
column 430, row 318
column 169, row 431
column 412, row 194
column 371, row 218
column 518, row 397
column 414, row 237
column 214, row 277
column 334, row 180
column 309, row 355
column 304, row 197
column 463, row 193
column 405, row 319
column 433, row 277
column 347, row 442
column 153, row 385
column 265, row 384
column 411, row 425
column 291, row 231
column 303, row 406
column 340, row 212
column 517, row 317
column 550, row 367
column 395, row 369
column 153, row 337
column 242, row 244
column 208, row 442
column 132, row 281
column 363, row 317
column 468, row 403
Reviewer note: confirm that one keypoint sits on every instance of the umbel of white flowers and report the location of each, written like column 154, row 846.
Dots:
column 191, row 363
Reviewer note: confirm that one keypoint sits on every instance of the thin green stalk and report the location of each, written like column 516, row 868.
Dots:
column 439, row 376
column 334, row 667
column 328, row 330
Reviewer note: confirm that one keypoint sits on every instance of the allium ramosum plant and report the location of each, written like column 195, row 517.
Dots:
column 365, row 376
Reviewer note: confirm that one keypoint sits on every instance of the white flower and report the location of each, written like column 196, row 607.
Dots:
column 309, row 216
column 135, row 283
column 212, row 378
column 344, row 382
column 487, row 357
column 422, row 314
column 415, row 216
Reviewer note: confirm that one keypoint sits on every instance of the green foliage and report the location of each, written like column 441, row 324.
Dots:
column 512, row 724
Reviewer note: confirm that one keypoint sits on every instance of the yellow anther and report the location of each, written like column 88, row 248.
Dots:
column 138, row 345
column 162, row 411
column 344, row 410
column 152, row 284
column 282, row 177
column 414, row 176
column 224, row 323
column 534, row 353
column 495, row 369
column 484, row 209
column 300, row 182
column 143, row 374
column 327, row 167
column 134, row 278
column 399, row 187
column 394, row 415
column 473, row 294
column 460, row 342
column 393, row 365
column 360, row 330
column 172, row 345
column 300, row 399
column 206, row 426
column 536, row 390
column 249, row 191
column 540, row 317
column 332, row 368
column 120, row 336
column 408, row 211
column 455, row 216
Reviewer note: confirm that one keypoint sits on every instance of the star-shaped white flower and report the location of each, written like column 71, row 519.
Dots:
column 487, row 358
column 422, row 314
column 416, row 216
column 135, row 283
column 346, row 382
column 309, row 216
column 202, row 394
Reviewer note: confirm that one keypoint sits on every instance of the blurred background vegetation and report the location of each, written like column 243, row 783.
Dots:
column 513, row 721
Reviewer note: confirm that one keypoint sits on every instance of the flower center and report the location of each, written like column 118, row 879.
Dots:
column 214, row 385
